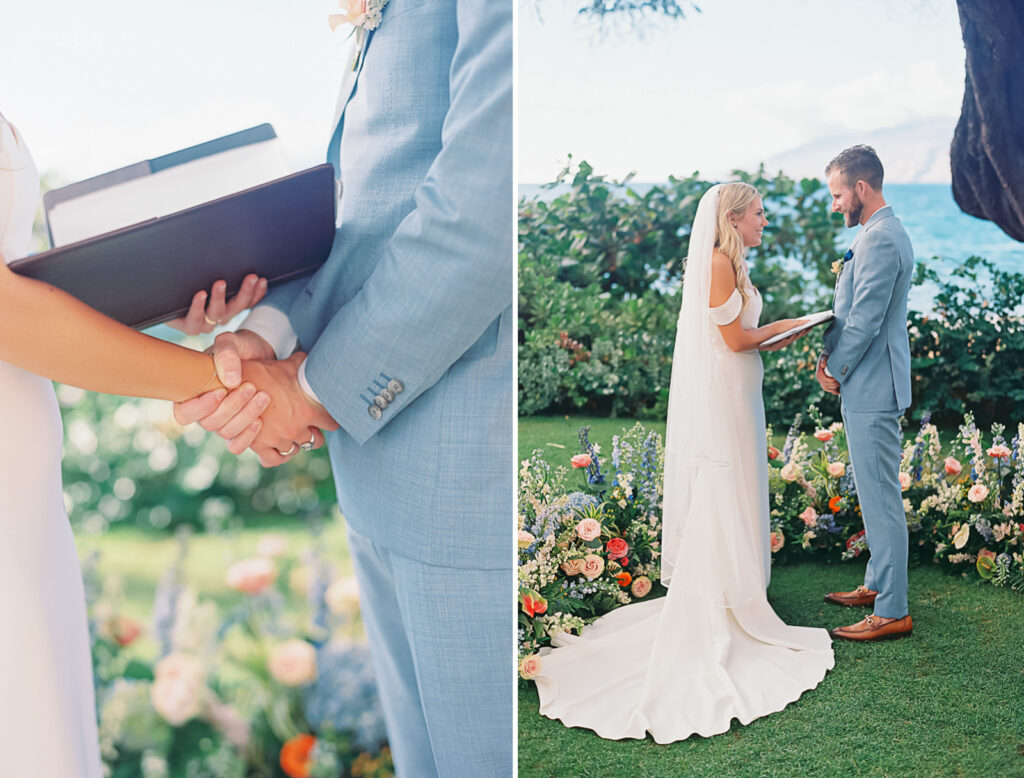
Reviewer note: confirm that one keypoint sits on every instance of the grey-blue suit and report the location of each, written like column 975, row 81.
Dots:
column 869, row 354
column 409, row 333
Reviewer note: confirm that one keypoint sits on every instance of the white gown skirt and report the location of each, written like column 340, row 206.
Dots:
column 712, row 650
column 47, row 706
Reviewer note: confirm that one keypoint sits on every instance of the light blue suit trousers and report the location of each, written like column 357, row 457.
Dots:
column 869, row 354
column 409, row 333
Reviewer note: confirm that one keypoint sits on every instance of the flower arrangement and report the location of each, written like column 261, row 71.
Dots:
column 584, row 552
column 268, row 688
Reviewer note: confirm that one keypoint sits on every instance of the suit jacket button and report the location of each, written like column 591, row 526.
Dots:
column 380, row 402
column 395, row 386
column 374, row 412
column 387, row 395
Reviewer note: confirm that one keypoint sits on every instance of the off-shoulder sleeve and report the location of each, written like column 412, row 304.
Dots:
column 728, row 311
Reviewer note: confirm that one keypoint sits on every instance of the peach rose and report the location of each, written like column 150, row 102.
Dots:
column 777, row 541
column 977, row 493
column 823, row 435
column 593, row 566
column 342, row 596
column 251, row 576
column 293, row 663
column 124, row 630
column 179, row 688
column 773, row 453
column 809, row 516
column 836, row 469
column 524, row 539
column 953, row 467
column 905, row 481
column 641, row 586
column 791, row 471
column 530, row 666
column 272, row 545
column 580, row 461
column 999, row 452
column 589, row 529
column 572, row 566
column 352, row 12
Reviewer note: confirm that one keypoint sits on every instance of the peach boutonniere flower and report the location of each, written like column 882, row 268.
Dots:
column 364, row 16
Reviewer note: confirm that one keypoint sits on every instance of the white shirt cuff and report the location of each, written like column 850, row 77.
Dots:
column 824, row 369
column 273, row 326
column 305, row 384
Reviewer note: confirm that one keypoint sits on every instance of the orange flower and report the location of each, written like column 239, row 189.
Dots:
column 295, row 753
column 624, row 579
column 833, row 504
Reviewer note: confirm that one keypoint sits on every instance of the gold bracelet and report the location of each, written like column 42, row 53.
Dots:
column 209, row 381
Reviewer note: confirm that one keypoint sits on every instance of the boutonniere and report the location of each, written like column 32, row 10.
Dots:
column 837, row 266
column 364, row 16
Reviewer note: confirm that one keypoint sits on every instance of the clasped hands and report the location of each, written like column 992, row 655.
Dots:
column 829, row 384
column 264, row 407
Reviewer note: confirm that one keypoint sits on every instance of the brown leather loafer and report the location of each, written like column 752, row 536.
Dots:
column 859, row 596
column 873, row 628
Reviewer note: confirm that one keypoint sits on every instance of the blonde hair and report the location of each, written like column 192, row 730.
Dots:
column 734, row 198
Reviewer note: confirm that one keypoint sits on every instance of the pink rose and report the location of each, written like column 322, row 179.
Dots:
column 773, row 453
column 999, row 452
column 777, row 541
column 836, row 469
column 823, row 435
column 641, row 586
column 251, row 576
column 529, row 667
column 524, row 539
column 593, row 566
column 809, row 516
column 617, row 548
column 588, row 529
column 977, row 493
column 581, row 460
column 953, row 467
column 572, row 566
column 791, row 472
column 293, row 663
column 904, row 481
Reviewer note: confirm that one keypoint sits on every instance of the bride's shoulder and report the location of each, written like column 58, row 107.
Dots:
column 723, row 278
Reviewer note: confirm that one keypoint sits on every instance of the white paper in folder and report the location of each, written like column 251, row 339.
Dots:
column 164, row 185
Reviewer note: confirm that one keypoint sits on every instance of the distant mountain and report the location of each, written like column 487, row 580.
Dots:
column 915, row 153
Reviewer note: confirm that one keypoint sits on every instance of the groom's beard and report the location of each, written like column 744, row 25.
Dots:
column 853, row 215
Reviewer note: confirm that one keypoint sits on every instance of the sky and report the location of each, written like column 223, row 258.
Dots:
column 96, row 86
column 727, row 87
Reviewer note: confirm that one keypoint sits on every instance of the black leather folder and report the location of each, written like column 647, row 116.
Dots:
column 147, row 273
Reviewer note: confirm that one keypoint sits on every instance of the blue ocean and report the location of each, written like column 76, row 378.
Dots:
column 942, row 234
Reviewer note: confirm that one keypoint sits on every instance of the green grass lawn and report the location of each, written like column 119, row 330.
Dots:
column 556, row 435
column 131, row 561
column 949, row 700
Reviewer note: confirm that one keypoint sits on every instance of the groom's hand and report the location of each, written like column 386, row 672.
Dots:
column 291, row 418
column 233, row 415
column 830, row 385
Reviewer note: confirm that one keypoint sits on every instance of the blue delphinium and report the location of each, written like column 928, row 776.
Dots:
column 594, row 474
column 791, row 436
column 984, row 527
column 344, row 696
column 827, row 521
column 926, row 418
column 648, row 481
column 165, row 600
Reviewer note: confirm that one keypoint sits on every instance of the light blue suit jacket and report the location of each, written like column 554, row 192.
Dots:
column 419, row 286
column 867, row 344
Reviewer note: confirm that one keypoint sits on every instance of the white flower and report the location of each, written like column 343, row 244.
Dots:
column 179, row 688
column 293, row 663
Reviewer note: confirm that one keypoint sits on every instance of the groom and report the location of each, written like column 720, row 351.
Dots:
column 409, row 333
column 866, row 361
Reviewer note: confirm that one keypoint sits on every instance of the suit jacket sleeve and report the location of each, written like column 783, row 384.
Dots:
column 447, row 272
column 878, row 265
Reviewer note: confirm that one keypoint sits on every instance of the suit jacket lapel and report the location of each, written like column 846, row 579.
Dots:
column 348, row 86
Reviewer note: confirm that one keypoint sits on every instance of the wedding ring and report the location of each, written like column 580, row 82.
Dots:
column 210, row 321
column 289, row 452
column 309, row 446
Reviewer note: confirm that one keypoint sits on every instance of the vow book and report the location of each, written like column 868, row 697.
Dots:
column 138, row 242
column 811, row 320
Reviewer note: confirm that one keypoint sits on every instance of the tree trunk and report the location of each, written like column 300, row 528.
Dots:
column 987, row 154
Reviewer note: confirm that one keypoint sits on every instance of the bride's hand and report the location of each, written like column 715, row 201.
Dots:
column 783, row 343
column 202, row 318
column 781, row 326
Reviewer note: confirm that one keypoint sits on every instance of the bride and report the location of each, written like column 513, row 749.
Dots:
column 712, row 650
column 47, row 709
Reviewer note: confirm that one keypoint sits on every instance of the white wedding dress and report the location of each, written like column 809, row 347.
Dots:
column 47, row 709
column 712, row 650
